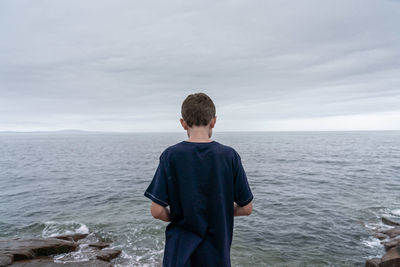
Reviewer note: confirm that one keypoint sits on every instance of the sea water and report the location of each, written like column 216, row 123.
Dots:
column 317, row 195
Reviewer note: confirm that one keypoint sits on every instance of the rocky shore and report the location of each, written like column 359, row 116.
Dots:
column 390, row 239
column 56, row 251
column 37, row 252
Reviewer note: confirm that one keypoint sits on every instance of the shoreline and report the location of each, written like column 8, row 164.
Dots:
column 390, row 239
column 52, row 251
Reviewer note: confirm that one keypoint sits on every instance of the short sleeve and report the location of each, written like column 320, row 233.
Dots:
column 157, row 190
column 242, row 191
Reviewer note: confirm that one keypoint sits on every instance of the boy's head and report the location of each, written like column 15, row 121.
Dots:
column 198, row 110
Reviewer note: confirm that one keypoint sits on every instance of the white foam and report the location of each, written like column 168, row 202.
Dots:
column 377, row 226
column 151, row 258
column 83, row 229
column 395, row 212
column 372, row 242
column 83, row 254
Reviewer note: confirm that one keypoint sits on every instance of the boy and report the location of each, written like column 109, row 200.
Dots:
column 199, row 179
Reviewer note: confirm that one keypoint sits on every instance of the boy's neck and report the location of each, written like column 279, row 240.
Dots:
column 199, row 135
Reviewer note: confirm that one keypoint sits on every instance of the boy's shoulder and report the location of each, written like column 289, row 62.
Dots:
column 185, row 146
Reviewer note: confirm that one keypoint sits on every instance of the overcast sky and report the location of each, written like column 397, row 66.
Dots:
column 268, row 65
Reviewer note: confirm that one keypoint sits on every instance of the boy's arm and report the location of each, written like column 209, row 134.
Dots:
column 243, row 196
column 160, row 212
column 242, row 211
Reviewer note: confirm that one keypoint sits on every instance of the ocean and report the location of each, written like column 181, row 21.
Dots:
column 317, row 195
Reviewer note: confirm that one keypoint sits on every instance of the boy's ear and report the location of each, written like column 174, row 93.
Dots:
column 213, row 121
column 183, row 123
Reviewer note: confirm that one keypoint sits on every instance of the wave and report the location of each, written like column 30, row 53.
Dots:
column 54, row 228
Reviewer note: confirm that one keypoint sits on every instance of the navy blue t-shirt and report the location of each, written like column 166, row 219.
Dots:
column 199, row 181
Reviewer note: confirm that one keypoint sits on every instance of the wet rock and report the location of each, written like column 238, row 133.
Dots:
column 38, row 252
column 23, row 249
column 391, row 243
column 72, row 237
column 48, row 262
column 6, row 259
column 18, row 254
column 391, row 258
column 390, row 222
column 99, row 245
column 107, row 254
column 373, row 262
column 392, row 232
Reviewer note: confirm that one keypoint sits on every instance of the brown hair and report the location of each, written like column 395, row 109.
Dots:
column 198, row 109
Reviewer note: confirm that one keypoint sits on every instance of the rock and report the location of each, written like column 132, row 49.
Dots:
column 373, row 262
column 72, row 237
column 6, row 259
column 392, row 232
column 107, row 254
column 23, row 249
column 18, row 254
column 391, row 258
column 380, row 236
column 391, row 243
column 99, row 245
column 48, row 262
column 36, row 252
column 390, row 222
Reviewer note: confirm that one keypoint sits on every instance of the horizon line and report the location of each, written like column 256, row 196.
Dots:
column 77, row 131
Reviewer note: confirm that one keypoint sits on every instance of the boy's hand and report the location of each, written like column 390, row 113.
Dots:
column 242, row 211
column 160, row 212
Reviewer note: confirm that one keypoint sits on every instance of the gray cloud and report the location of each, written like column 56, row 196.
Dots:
column 124, row 65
